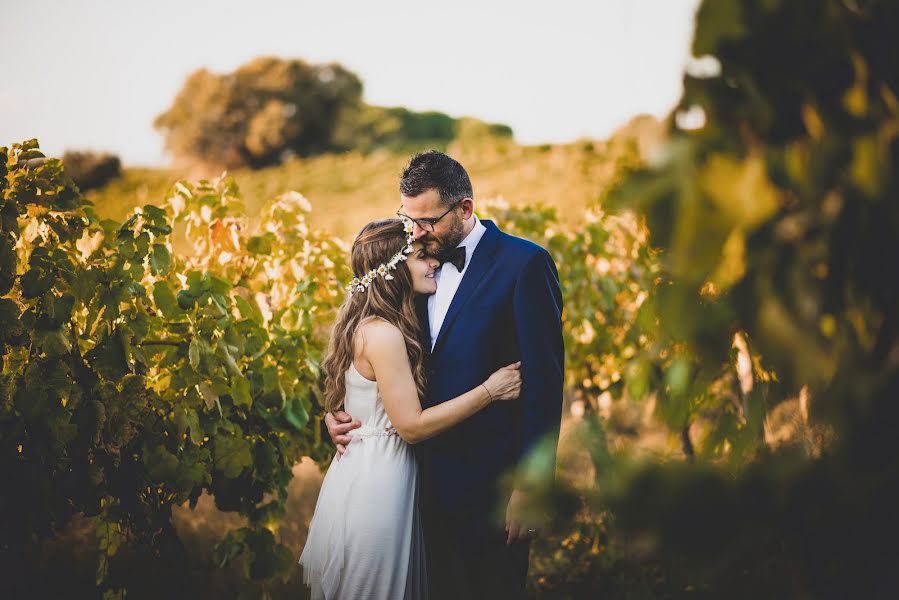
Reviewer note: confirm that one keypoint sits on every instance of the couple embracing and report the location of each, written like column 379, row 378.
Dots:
column 444, row 370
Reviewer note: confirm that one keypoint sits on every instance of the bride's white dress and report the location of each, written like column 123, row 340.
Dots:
column 365, row 538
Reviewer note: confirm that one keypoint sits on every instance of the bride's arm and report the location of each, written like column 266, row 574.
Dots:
column 385, row 349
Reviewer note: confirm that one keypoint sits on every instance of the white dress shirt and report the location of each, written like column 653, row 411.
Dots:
column 448, row 279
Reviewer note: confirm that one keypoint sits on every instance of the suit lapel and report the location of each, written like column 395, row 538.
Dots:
column 481, row 262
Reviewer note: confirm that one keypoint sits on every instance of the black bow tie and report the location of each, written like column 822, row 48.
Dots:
column 456, row 256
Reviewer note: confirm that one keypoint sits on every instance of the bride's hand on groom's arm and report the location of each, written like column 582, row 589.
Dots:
column 339, row 424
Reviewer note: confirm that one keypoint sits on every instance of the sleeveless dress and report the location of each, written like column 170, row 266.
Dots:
column 365, row 538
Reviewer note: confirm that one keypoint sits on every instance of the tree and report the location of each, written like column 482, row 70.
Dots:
column 91, row 170
column 271, row 109
column 265, row 110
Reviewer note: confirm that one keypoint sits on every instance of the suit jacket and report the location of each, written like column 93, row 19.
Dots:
column 508, row 307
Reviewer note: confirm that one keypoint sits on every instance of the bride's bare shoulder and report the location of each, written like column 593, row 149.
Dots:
column 380, row 335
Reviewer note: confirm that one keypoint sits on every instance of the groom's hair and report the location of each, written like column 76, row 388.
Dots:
column 433, row 170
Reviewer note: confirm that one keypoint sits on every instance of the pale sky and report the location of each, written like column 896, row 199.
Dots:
column 95, row 73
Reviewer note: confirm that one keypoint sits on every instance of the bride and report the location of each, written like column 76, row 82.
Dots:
column 365, row 538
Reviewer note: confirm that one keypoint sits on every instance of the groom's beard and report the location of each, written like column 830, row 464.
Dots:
column 439, row 247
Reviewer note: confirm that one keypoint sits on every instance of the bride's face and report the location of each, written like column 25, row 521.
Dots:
column 422, row 267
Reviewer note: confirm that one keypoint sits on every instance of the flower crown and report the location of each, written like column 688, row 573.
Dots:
column 361, row 284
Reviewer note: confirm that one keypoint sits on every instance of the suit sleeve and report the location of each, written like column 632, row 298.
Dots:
column 537, row 307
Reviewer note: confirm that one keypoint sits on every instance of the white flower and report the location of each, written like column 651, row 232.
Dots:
column 384, row 268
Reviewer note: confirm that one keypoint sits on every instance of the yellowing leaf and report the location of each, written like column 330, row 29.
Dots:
column 209, row 396
column 740, row 189
column 193, row 354
column 732, row 264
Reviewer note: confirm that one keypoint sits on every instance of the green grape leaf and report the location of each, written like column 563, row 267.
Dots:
column 157, row 220
column 269, row 559
column 232, row 454
column 36, row 281
column 197, row 283
column 249, row 309
column 185, row 300
column 240, row 391
column 10, row 325
column 142, row 245
column 165, row 300
column 54, row 342
column 162, row 465
column 109, row 357
column 8, row 262
column 160, row 260
column 678, row 376
column 295, row 414
column 230, row 547
column 218, row 285
column 187, row 420
column 261, row 244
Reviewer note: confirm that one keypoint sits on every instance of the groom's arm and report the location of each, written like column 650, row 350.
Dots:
column 339, row 424
column 537, row 309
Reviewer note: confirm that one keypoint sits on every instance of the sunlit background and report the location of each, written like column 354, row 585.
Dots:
column 715, row 181
column 98, row 72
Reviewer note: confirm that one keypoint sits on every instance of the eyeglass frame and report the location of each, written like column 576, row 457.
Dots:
column 431, row 222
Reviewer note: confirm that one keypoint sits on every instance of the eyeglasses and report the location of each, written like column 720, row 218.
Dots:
column 427, row 223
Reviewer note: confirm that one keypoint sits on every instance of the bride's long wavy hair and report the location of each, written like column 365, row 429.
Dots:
column 391, row 300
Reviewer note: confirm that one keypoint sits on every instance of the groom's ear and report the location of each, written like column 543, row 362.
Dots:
column 467, row 205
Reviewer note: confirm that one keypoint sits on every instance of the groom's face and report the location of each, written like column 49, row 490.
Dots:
column 448, row 231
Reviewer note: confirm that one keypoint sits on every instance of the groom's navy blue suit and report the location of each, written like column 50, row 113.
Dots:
column 508, row 307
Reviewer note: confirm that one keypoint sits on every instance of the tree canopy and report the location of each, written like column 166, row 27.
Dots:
column 270, row 109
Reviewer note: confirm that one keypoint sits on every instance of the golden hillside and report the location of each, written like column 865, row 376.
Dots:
column 348, row 190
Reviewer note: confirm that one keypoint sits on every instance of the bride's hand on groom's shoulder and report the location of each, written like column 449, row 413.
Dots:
column 339, row 425
column 505, row 384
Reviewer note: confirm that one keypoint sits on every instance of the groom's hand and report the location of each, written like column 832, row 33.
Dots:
column 521, row 522
column 339, row 424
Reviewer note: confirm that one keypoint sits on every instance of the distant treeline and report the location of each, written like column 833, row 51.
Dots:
column 271, row 109
column 91, row 170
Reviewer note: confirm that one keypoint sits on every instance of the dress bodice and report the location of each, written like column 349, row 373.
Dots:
column 364, row 403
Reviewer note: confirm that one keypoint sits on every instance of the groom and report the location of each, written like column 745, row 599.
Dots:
column 498, row 301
